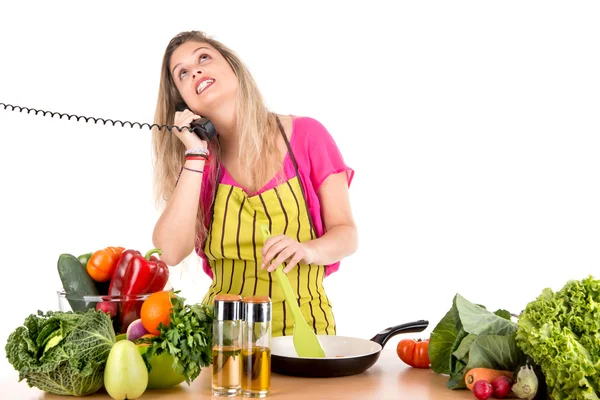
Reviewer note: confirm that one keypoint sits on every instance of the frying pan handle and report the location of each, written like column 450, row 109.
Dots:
column 410, row 327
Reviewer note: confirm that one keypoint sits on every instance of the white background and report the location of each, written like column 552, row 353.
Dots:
column 472, row 126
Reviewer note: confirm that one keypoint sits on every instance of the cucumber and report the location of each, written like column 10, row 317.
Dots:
column 76, row 281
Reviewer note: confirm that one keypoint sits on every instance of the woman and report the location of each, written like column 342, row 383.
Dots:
column 262, row 169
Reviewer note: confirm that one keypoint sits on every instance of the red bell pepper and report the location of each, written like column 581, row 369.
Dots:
column 143, row 274
column 136, row 274
column 146, row 274
column 116, row 282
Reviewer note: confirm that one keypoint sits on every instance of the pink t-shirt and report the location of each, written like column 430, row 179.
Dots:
column 317, row 156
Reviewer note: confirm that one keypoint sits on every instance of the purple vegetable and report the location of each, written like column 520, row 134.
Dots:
column 136, row 330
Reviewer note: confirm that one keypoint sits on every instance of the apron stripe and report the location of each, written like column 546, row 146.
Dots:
column 215, row 278
column 223, row 241
column 312, row 314
column 212, row 254
column 282, row 209
column 254, row 248
column 231, row 279
column 243, row 277
column 312, row 236
column 298, row 206
column 214, row 271
column 321, row 303
column 239, row 226
column 222, row 274
column 297, row 237
column 237, row 242
column 212, row 262
column 284, row 317
column 225, row 222
column 270, row 230
column 285, row 264
column 210, row 240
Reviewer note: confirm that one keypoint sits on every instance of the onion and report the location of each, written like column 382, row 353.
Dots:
column 136, row 330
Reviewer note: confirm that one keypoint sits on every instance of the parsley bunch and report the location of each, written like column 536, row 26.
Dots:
column 188, row 338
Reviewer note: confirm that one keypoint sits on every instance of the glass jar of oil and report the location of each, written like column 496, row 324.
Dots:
column 227, row 345
column 256, row 346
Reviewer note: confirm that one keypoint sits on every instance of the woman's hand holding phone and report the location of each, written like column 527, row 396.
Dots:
column 189, row 139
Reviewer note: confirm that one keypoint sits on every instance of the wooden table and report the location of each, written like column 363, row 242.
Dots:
column 389, row 378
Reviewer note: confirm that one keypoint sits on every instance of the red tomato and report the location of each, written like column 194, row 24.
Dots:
column 414, row 352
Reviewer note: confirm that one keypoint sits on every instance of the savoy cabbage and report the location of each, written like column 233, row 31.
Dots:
column 62, row 353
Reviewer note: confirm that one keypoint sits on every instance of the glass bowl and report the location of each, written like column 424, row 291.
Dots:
column 123, row 310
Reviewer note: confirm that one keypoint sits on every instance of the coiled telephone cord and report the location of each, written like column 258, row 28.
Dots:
column 94, row 119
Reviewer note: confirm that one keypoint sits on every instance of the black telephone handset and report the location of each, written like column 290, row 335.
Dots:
column 202, row 127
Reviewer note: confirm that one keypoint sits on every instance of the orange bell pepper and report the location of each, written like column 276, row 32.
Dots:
column 102, row 263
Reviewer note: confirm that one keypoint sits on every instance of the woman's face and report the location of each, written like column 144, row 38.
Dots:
column 203, row 77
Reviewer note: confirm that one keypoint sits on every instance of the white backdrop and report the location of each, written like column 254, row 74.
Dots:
column 472, row 126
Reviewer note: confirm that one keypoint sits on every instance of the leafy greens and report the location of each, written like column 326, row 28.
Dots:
column 561, row 332
column 62, row 353
column 469, row 336
column 188, row 338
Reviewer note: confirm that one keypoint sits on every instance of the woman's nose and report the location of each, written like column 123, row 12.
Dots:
column 197, row 72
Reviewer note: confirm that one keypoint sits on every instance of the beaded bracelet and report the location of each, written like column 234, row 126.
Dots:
column 197, row 151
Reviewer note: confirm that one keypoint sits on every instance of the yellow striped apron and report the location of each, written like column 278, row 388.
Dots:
column 233, row 249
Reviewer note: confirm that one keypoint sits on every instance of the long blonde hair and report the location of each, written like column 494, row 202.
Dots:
column 256, row 130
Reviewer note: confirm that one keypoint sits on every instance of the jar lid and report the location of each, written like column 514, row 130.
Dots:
column 257, row 299
column 227, row 297
column 257, row 308
column 227, row 307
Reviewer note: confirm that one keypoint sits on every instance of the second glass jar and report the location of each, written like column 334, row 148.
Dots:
column 256, row 346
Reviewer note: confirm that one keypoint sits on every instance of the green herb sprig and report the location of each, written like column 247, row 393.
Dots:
column 188, row 338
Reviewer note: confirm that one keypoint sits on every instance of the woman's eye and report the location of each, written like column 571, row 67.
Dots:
column 182, row 74
column 204, row 57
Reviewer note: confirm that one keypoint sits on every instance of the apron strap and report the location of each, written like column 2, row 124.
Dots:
column 293, row 158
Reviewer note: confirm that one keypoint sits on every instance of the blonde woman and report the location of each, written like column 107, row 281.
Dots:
column 281, row 171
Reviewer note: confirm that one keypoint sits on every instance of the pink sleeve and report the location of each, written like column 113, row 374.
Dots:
column 325, row 157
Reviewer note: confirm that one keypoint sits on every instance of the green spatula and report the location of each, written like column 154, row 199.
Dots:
column 306, row 342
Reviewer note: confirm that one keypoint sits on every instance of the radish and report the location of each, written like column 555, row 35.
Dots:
column 108, row 307
column 136, row 330
column 482, row 390
column 501, row 386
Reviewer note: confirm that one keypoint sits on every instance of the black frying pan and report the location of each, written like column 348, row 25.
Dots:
column 343, row 355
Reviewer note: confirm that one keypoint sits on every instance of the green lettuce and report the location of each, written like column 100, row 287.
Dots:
column 469, row 336
column 561, row 332
column 62, row 353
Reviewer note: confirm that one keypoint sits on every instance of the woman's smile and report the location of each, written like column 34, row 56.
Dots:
column 203, row 84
